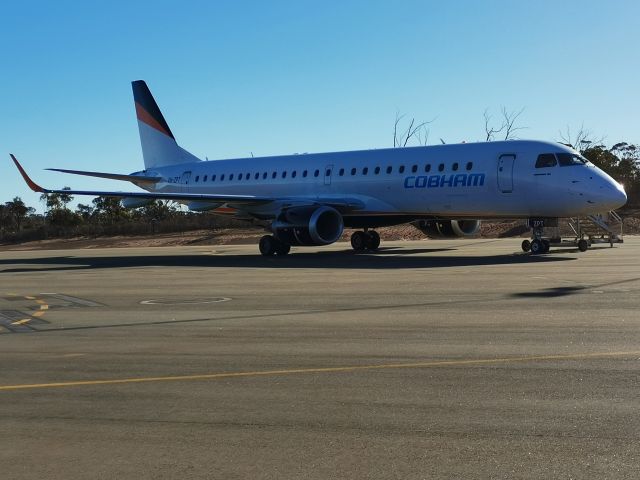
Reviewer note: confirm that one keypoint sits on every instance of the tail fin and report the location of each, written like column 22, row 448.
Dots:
column 159, row 146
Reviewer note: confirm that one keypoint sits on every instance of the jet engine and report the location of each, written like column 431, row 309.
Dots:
column 448, row 228
column 312, row 225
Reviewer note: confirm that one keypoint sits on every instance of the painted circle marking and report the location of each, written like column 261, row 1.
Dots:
column 193, row 301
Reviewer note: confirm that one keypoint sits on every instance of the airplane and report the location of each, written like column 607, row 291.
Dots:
column 308, row 199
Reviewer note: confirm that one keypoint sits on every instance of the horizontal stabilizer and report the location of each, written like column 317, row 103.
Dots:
column 111, row 176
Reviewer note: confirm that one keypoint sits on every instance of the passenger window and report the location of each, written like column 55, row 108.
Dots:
column 353, row 171
column 222, row 177
column 256, row 176
column 197, row 177
column 239, row 176
column 341, row 172
column 264, row 175
column 427, row 167
column 377, row 170
column 441, row 167
column 454, row 167
column 293, row 174
column 304, row 174
column 389, row 169
column 469, row 165
column 205, row 178
column 284, row 174
column 401, row 169
column 274, row 174
column 414, row 169
column 231, row 177
column 327, row 173
column 316, row 173
column 365, row 170
column 213, row 177
column 546, row 160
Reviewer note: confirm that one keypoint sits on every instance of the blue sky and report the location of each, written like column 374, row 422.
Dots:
column 277, row 77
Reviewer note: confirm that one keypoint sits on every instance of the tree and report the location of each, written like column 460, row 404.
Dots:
column 55, row 201
column 16, row 211
column 418, row 132
column 508, row 124
column 158, row 210
column 84, row 211
column 109, row 209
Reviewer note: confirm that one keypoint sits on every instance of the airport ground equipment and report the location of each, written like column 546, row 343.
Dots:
column 604, row 227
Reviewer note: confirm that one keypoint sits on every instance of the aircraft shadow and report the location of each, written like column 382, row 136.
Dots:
column 390, row 258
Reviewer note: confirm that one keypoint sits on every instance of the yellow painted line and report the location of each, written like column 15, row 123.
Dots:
column 39, row 313
column 41, row 302
column 353, row 368
column 28, row 297
column 21, row 322
column 44, row 307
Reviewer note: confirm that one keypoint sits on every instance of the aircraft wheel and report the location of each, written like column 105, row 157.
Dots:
column 358, row 241
column 282, row 249
column 583, row 245
column 537, row 247
column 267, row 246
column 373, row 240
column 526, row 245
column 546, row 245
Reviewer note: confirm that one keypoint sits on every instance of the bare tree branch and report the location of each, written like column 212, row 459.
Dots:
column 418, row 132
column 509, row 121
column 581, row 140
column 489, row 130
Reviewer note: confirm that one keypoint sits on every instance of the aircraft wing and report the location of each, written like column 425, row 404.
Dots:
column 236, row 201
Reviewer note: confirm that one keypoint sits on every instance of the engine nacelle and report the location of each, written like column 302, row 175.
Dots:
column 311, row 225
column 448, row 228
column 133, row 202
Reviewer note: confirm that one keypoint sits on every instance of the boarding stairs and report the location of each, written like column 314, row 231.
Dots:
column 604, row 227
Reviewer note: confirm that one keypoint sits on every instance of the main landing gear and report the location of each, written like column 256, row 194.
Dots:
column 270, row 245
column 367, row 240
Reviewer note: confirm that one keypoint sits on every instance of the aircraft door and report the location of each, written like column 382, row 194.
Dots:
column 505, row 172
column 184, row 181
column 328, row 171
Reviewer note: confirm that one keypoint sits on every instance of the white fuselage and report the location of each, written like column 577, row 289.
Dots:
column 474, row 180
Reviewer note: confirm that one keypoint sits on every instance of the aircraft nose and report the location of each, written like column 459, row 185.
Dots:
column 613, row 194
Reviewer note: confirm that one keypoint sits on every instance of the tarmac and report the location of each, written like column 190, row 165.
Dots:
column 430, row 359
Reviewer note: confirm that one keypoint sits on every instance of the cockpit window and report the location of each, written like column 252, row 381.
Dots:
column 546, row 160
column 568, row 159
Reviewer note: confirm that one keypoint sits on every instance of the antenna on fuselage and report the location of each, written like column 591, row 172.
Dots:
column 443, row 142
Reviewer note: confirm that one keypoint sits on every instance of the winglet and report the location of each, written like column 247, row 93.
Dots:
column 32, row 185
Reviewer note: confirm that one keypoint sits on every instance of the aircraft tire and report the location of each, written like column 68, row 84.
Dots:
column 537, row 247
column 526, row 245
column 546, row 245
column 282, row 249
column 267, row 246
column 583, row 245
column 358, row 241
column 372, row 240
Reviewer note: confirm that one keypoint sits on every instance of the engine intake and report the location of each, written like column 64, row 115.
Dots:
column 308, row 226
column 448, row 228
